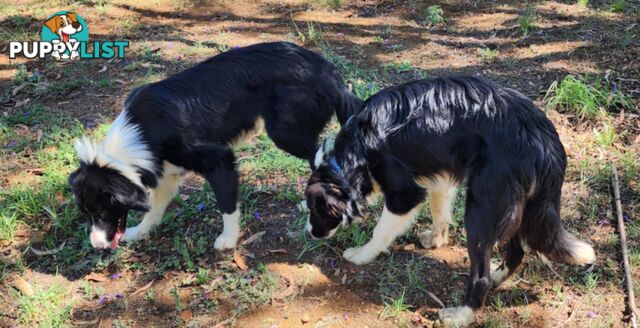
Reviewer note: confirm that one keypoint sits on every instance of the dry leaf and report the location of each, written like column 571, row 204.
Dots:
column 21, row 103
column 436, row 299
column 97, row 277
column 87, row 323
column 253, row 237
column 48, row 252
column 277, row 251
column 409, row 247
column 15, row 90
column 23, row 286
column 289, row 290
column 239, row 261
column 186, row 315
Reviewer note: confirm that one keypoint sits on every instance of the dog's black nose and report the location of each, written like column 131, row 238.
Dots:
column 75, row 25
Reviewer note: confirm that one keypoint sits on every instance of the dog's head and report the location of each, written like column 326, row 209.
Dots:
column 106, row 197
column 64, row 25
column 328, row 197
column 105, row 188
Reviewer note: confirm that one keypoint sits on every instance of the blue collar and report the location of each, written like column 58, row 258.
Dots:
column 334, row 165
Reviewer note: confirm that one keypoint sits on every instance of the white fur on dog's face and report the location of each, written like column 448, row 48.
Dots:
column 321, row 155
column 98, row 238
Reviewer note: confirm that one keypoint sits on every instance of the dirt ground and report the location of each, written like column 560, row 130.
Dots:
column 278, row 278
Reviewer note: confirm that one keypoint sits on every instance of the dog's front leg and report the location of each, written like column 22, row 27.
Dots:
column 389, row 227
column 159, row 198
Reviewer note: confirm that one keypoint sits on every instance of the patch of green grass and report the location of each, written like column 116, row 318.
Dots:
column 313, row 33
column 46, row 308
column 264, row 159
column 90, row 291
column 364, row 82
column 248, row 289
column 583, row 98
column 488, row 53
column 8, row 225
column 527, row 19
column 64, row 87
column 398, row 67
column 606, row 135
column 395, row 308
column 434, row 15
column 583, row 3
column 494, row 320
column 378, row 40
column 590, row 280
column 618, row 6
column 333, row 4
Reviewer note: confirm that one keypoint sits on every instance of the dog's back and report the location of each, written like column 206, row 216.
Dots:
column 489, row 136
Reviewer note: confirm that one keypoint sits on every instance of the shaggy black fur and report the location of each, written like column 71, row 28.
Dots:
column 494, row 138
column 192, row 118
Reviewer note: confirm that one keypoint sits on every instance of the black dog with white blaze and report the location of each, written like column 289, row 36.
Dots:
column 189, row 121
column 425, row 138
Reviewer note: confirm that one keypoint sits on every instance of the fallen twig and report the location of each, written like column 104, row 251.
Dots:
column 142, row 289
column 631, row 303
column 48, row 252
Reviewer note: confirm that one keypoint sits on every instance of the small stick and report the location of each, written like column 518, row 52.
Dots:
column 625, row 251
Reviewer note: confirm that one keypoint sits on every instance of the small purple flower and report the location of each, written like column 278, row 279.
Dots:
column 11, row 144
column 301, row 181
column 592, row 315
column 179, row 212
column 257, row 215
column 200, row 207
column 626, row 218
column 118, row 295
column 103, row 299
column 332, row 263
column 88, row 124
column 26, row 113
column 603, row 222
column 115, row 276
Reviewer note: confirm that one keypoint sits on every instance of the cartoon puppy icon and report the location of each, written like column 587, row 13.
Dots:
column 64, row 26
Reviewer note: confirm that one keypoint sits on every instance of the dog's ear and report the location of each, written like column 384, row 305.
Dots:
column 72, row 177
column 126, row 193
column 324, row 152
column 53, row 24
column 72, row 16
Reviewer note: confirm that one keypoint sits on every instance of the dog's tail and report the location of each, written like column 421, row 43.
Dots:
column 543, row 231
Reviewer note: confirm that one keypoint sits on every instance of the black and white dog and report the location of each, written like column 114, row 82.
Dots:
column 189, row 121
column 427, row 137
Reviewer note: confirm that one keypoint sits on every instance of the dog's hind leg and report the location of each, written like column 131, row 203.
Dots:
column 159, row 198
column 442, row 194
column 514, row 253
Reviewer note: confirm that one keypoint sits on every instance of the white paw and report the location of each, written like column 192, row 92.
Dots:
column 498, row 273
column 460, row 316
column 429, row 239
column 225, row 241
column 359, row 255
column 134, row 234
